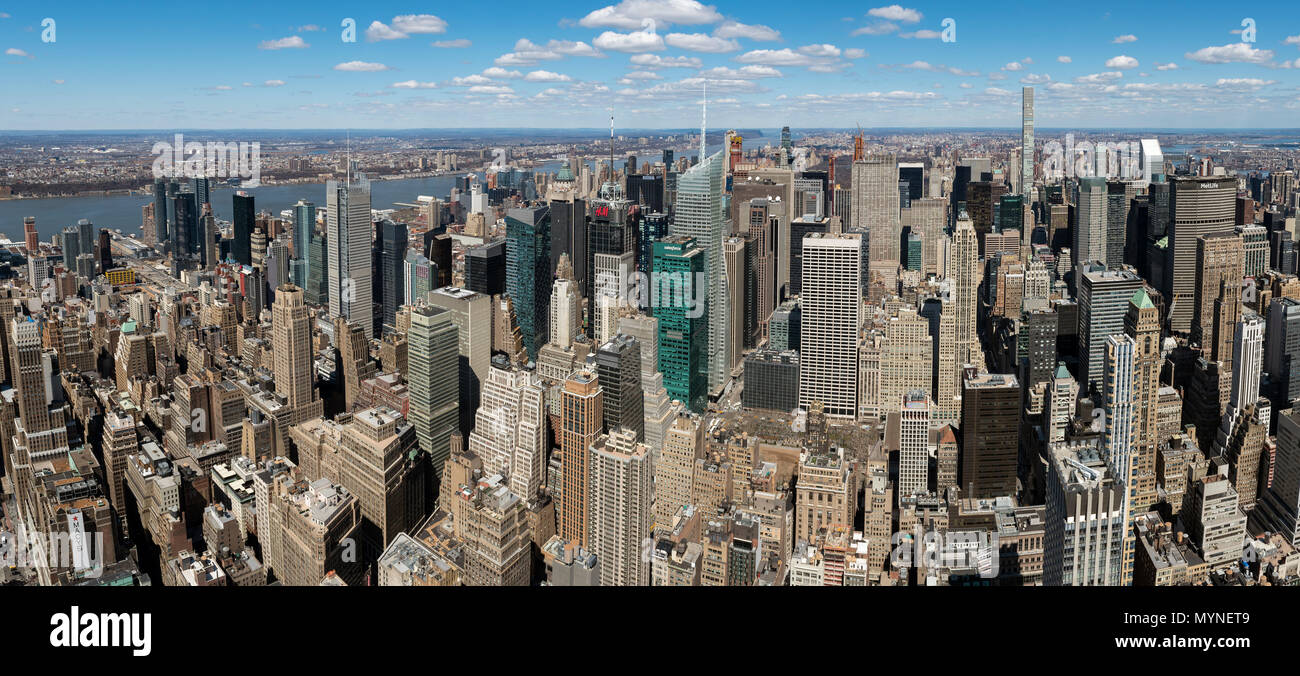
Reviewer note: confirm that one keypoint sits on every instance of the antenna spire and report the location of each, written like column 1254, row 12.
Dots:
column 704, row 123
column 611, row 145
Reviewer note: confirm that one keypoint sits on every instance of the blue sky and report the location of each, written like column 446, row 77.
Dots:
column 564, row 64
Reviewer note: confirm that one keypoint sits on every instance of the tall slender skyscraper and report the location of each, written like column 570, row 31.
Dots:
column 700, row 216
column 1247, row 361
column 161, row 231
column 1026, row 142
column 291, row 328
column 966, row 279
column 304, row 228
column 1089, row 231
column 581, row 419
column 1142, row 325
column 914, row 443
column 392, row 242
column 528, row 273
column 622, row 515
column 348, row 239
column 1118, row 441
column 241, row 247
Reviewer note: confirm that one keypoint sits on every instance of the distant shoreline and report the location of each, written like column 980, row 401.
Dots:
column 125, row 192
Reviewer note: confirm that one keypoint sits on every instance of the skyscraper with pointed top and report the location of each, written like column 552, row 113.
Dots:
column 348, row 238
column 700, row 215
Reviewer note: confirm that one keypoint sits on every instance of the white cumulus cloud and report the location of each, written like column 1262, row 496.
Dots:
column 291, row 42
column 360, row 67
column 896, row 13
column 547, row 76
column 700, row 42
column 414, row 84
column 629, row 14
column 735, row 29
column 1122, row 62
column 1236, row 52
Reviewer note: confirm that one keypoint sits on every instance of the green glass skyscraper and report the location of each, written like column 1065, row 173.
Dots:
column 683, row 328
column 528, row 273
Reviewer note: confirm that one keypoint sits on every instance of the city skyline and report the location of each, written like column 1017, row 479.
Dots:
column 1115, row 67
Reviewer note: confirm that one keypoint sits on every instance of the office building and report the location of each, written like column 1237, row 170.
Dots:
column 581, row 420
column 831, row 315
column 621, row 494
column 432, row 342
column 699, row 215
column 348, row 239
column 528, row 273
column 990, row 435
column 1197, row 206
column 683, row 327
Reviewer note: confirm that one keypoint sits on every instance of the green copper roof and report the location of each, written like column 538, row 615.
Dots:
column 1061, row 371
column 1141, row 299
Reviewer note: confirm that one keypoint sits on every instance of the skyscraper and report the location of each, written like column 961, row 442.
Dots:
column 1103, row 302
column 832, row 315
column 1026, row 141
column 875, row 208
column 1086, row 520
column 392, row 243
column 1089, row 228
column 304, row 229
column 914, row 444
column 1217, row 295
column 621, row 495
column 1279, row 507
column 618, row 365
column 348, row 238
column 241, row 247
column 966, row 279
column 1142, row 325
column 683, row 329
column 434, row 382
column 1247, row 361
column 161, row 232
column 510, row 431
column 700, row 216
column 990, row 435
column 581, row 419
column 1118, row 438
column 291, row 327
column 528, row 272
column 1197, row 206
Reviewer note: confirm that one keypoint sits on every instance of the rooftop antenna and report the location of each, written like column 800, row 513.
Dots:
column 611, row 143
column 704, row 122
column 348, row 169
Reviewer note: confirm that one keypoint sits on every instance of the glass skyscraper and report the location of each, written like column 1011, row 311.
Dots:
column 528, row 272
column 700, row 215
column 683, row 339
